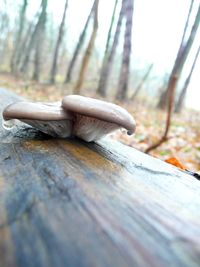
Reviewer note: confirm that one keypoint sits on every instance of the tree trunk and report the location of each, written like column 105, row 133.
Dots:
column 125, row 67
column 174, row 77
column 36, row 36
column 88, row 51
column 4, row 30
column 18, row 40
column 78, row 46
column 39, row 42
column 142, row 82
column 180, row 103
column 182, row 53
column 27, row 52
column 20, row 55
column 107, row 67
column 36, row 72
column 107, row 44
column 57, row 47
column 110, row 29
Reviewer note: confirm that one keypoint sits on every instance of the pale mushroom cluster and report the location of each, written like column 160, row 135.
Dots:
column 84, row 117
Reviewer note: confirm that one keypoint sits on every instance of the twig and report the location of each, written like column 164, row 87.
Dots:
column 164, row 138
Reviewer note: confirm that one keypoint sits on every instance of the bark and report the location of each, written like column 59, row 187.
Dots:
column 182, row 54
column 180, row 103
column 125, row 67
column 108, row 43
column 142, row 82
column 88, row 51
column 18, row 40
column 79, row 46
column 106, row 69
column 40, row 41
column 58, row 44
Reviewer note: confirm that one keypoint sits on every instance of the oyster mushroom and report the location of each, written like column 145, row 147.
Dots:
column 49, row 118
column 96, row 118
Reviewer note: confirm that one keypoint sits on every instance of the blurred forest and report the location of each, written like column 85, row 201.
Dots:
column 114, row 50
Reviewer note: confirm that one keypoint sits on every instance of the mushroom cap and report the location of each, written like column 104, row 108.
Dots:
column 99, row 109
column 36, row 111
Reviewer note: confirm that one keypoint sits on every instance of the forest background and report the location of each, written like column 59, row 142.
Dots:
column 143, row 55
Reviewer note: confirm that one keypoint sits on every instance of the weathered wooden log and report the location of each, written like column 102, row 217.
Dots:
column 71, row 203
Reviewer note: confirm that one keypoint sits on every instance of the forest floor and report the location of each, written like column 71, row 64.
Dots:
column 184, row 136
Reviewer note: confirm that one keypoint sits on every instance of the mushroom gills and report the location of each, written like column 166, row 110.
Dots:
column 60, row 128
column 91, row 129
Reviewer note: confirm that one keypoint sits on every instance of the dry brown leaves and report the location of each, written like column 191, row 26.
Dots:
column 184, row 135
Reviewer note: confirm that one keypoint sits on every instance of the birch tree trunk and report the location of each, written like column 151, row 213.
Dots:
column 88, row 51
column 125, row 67
column 107, row 67
column 57, row 47
column 78, row 46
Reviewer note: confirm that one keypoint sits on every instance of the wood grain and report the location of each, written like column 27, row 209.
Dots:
column 71, row 203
